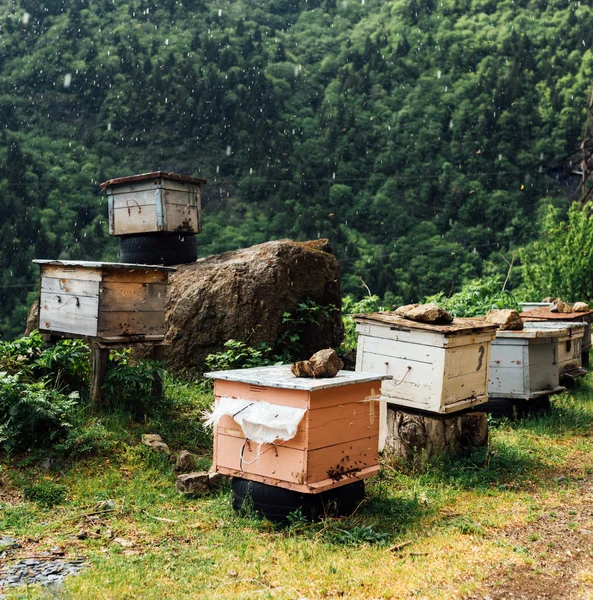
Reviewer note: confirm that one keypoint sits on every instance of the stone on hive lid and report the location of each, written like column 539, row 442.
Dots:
column 325, row 363
column 580, row 307
column 506, row 319
column 424, row 313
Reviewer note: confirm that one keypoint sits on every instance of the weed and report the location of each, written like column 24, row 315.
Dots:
column 359, row 534
column 46, row 493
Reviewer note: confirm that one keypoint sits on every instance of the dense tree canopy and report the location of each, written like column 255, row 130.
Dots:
column 422, row 138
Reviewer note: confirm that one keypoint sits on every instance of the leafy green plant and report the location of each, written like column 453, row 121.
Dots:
column 358, row 535
column 560, row 263
column 477, row 298
column 351, row 307
column 238, row 355
column 128, row 381
column 33, row 414
column 288, row 346
column 46, row 493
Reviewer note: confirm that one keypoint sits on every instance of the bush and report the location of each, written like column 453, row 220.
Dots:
column 32, row 414
column 560, row 263
column 477, row 298
column 350, row 307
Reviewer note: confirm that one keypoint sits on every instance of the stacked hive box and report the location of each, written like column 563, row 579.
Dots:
column 156, row 216
column 439, row 369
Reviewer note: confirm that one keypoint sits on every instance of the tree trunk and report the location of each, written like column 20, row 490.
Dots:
column 411, row 434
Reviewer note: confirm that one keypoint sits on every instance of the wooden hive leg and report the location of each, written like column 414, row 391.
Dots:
column 100, row 360
column 158, row 354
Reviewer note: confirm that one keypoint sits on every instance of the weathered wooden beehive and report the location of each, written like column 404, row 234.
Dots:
column 435, row 368
column 154, row 202
column 543, row 315
column 570, row 345
column 524, row 364
column 336, row 440
column 110, row 302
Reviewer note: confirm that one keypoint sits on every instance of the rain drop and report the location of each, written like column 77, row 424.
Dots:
column 67, row 80
column 228, row 150
column 217, row 169
column 108, row 126
column 27, row 16
column 438, row 74
column 167, row 42
column 220, row 12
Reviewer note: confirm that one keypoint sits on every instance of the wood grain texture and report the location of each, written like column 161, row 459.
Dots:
column 70, row 286
column 139, row 297
column 129, row 323
column 129, row 221
column 125, row 275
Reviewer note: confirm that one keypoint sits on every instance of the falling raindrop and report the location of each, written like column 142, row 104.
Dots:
column 333, row 176
column 108, row 126
column 217, row 169
column 67, row 80
column 220, row 12
column 228, row 150
column 438, row 74
column 26, row 17
column 167, row 42
column 251, row 171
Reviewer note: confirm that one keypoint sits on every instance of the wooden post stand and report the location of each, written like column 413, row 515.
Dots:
column 158, row 354
column 100, row 358
column 412, row 434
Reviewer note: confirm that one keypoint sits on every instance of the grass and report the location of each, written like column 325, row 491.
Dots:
column 437, row 529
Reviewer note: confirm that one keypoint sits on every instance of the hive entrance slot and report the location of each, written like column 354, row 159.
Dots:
column 257, row 388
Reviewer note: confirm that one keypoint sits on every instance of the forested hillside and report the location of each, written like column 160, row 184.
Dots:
column 421, row 137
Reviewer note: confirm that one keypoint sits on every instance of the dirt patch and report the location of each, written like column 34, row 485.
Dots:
column 560, row 545
column 8, row 494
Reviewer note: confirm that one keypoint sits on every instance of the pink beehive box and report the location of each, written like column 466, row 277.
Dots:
column 336, row 442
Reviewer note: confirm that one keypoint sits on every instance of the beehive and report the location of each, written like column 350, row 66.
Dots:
column 111, row 302
column 570, row 345
column 524, row 364
column 336, row 440
column 543, row 315
column 435, row 368
column 154, row 202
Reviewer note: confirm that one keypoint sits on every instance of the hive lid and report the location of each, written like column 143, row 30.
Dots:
column 89, row 264
column 457, row 327
column 279, row 376
column 153, row 175
column 543, row 314
column 534, row 333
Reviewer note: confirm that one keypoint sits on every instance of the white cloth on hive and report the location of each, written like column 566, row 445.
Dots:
column 261, row 422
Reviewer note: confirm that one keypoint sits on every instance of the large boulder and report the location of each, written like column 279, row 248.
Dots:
column 244, row 294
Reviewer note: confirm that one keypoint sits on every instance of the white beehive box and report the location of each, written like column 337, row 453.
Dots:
column 524, row 364
column 435, row 368
column 570, row 344
column 154, row 202
column 110, row 302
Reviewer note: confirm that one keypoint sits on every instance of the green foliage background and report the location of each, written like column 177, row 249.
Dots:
column 418, row 136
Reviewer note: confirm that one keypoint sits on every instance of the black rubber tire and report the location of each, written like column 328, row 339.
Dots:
column 515, row 409
column 277, row 503
column 158, row 249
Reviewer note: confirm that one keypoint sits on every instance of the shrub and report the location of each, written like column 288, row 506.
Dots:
column 560, row 263
column 351, row 307
column 32, row 414
column 477, row 298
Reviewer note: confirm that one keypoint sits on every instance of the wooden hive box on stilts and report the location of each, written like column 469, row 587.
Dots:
column 107, row 302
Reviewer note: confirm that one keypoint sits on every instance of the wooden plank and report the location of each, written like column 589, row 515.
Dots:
column 140, row 297
column 181, row 186
column 458, row 326
column 127, row 275
column 158, row 354
column 504, row 355
column 71, row 286
column 338, row 423
column 280, row 462
column 70, row 272
column 187, row 197
column 413, row 352
column 100, row 358
column 182, row 218
column 502, row 381
column 126, row 223
column 346, row 457
column 470, row 385
column 466, row 360
column 273, row 395
column 313, row 488
column 135, row 199
column 81, row 320
column 60, row 304
column 344, row 395
column 131, row 323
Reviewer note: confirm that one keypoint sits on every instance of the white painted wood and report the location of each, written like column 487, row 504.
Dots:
column 74, row 287
column 431, row 372
column 134, row 199
column 66, row 316
column 68, row 272
column 522, row 366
